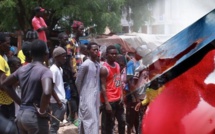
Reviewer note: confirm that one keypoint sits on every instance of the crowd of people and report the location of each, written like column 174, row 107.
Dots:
column 76, row 83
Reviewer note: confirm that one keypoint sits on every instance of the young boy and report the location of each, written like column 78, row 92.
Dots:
column 58, row 101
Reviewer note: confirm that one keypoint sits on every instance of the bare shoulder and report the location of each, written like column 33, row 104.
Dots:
column 103, row 71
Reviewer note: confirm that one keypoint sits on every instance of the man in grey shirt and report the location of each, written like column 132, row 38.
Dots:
column 35, row 81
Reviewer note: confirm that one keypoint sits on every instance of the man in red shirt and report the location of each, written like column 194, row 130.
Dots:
column 39, row 24
column 111, row 93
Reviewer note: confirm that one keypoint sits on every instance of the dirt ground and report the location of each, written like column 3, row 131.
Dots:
column 72, row 129
column 68, row 129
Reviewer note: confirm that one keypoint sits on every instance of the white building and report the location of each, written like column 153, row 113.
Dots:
column 172, row 16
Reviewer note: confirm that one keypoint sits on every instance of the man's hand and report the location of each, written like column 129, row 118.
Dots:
column 137, row 107
column 121, row 100
column 40, row 113
column 108, row 107
column 60, row 104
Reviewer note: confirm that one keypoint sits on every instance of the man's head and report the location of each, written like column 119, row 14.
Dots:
column 31, row 35
column 121, row 61
column 59, row 55
column 4, row 44
column 103, row 56
column 38, row 49
column 26, row 49
column 39, row 11
column 138, row 52
column 120, row 49
column 77, row 28
column 14, row 63
column 93, row 50
column 83, row 49
column 13, row 51
column 137, row 56
column 63, row 39
column 111, row 53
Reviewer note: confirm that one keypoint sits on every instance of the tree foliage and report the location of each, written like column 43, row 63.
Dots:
column 18, row 13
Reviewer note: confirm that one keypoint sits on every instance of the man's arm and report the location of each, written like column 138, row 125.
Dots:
column 7, row 85
column 44, row 26
column 54, row 94
column 80, row 77
column 103, row 77
column 47, row 86
column 122, row 96
column 2, row 77
column 36, row 24
column 73, row 68
column 42, row 29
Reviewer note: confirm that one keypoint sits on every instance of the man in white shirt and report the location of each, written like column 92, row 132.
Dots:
column 58, row 99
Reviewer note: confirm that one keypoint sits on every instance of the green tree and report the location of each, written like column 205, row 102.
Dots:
column 18, row 13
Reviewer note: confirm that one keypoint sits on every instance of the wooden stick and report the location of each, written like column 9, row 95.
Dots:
column 53, row 117
column 49, row 114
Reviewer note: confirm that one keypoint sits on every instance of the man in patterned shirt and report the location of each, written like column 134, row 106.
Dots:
column 7, row 108
column 74, row 46
column 73, row 55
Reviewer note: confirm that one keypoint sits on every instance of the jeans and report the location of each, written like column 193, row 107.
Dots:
column 74, row 103
column 108, row 119
column 59, row 114
column 73, row 100
column 7, row 126
column 141, row 116
column 132, row 117
column 29, row 122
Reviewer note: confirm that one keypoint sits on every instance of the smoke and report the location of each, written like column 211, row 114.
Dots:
column 192, row 10
column 177, row 15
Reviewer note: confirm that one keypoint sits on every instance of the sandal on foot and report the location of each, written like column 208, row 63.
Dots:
column 76, row 122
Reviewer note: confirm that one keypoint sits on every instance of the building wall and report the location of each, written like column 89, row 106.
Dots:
column 172, row 16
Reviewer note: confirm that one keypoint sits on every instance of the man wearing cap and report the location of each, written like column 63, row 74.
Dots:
column 58, row 101
column 74, row 47
column 74, row 57
column 39, row 24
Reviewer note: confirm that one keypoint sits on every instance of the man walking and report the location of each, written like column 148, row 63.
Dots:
column 87, row 83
